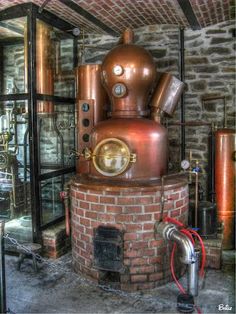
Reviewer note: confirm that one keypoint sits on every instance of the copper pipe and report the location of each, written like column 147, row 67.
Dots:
column 128, row 36
column 191, row 123
column 44, row 69
column 225, row 145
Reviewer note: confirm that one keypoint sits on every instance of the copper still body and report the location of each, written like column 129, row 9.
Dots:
column 128, row 75
column 225, row 141
column 44, row 68
column 128, row 147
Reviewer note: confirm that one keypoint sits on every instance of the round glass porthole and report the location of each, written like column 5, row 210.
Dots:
column 111, row 157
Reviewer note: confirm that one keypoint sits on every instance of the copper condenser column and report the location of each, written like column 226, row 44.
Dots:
column 44, row 69
column 225, row 183
column 91, row 106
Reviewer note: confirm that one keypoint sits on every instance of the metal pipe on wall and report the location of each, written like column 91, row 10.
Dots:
column 182, row 78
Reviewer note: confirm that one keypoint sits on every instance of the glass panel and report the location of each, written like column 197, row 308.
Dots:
column 12, row 56
column 54, row 61
column 52, row 205
column 56, row 129
column 15, row 202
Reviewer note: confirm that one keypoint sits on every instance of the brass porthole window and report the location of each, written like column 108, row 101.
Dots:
column 111, row 157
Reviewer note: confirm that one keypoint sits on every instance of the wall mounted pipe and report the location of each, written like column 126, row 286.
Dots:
column 182, row 103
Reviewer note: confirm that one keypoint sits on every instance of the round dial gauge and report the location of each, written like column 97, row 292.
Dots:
column 111, row 157
column 119, row 90
column 185, row 164
column 118, row 70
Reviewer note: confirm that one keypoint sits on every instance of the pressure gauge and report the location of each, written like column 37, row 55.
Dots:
column 185, row 164
column 117, row 70
column 119, row 90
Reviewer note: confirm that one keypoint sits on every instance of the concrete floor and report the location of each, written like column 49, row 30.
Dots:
column 57, row 289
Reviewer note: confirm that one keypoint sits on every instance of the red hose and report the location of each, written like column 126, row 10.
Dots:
column 173, row 271
column 173, row 221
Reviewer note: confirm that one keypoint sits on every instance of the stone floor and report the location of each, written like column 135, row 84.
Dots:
column 57, row 289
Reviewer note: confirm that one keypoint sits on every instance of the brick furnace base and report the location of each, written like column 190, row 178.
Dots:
column 113, row 239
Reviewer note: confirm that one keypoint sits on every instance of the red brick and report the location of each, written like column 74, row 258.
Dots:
column 139, row 245
column 73, row 193
column 114, row 209
column 89, row 231
column 175, row 213
column 95, row 224
column 142, row 269
column 179, row 203
column 85, row 238
column 144, row 200
column 80, row 212
column 151, row 208
column 125, row 201
column 91, row 215
column 147, row 235
column 124, row 218
column 139, row 261
column 107, row 199
column 92, row 198
column 157, row 199
column 145, row 217
column 132, row 209
column 98, row 207
column 155, row 260
column 157, row 216
column 148, row 226
column 156, row 243
column 80, row 196
column 80, row 244
column 155, row 276
column 130, row 236
column 138, row 278
column 133, row 227
column 106, row 217
column 85, row 221
column 168, row 206
column 175, row 196
column 133, row 253
column 84, row 205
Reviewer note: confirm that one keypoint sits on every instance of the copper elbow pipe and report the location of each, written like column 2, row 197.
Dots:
column 167, row 94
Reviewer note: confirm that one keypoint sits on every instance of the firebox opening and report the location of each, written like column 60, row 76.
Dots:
column 108, row 250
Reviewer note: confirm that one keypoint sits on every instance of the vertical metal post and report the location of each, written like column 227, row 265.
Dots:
column 182, row 102
column 2, row 271
column 33, row 136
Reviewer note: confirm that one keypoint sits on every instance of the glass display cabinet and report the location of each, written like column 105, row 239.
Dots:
column 38, row 54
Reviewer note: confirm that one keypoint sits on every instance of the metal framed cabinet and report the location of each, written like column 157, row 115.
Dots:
column 38, row 54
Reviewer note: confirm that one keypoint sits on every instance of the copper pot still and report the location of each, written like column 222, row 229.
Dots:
column 225, row 143
column 129, row 146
